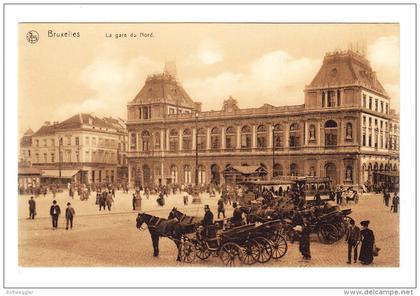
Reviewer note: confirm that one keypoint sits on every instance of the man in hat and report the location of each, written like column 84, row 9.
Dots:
column 304, row 241
column 352, row 239
column 208, row 216
column 221, row 207
column 395, row 202
column 237, row 215
column 368, row 241
column 32, row 208
column 55, row 212
column 70, row 212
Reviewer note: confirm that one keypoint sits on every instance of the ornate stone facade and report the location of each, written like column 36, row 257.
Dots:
column 344, row 130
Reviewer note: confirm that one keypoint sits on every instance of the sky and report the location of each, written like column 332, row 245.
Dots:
column 255, row 63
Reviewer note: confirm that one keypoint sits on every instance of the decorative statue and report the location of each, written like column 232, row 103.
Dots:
column 348, row 173
column 349, row 131
column 312, row 132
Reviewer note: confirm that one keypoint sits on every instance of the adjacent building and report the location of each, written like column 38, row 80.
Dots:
column 345, row 130
column 84, row 148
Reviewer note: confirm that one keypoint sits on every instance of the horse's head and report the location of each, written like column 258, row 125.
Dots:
column 172, row 213
column 140, row 220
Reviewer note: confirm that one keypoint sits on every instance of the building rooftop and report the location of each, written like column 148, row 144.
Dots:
column 163, row 88
column 75, row 122
column 346, row 68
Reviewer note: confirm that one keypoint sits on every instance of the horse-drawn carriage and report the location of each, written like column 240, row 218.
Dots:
column 246, row 244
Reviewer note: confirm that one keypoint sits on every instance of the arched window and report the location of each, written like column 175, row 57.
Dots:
column 187, row 174
column 330, row 133
column 277, row 170
column 294, row 169
column 278, row 135
column 186, row 140
column 215, row 137
column 381, row 167
column 230, row 138
column 145, row 139
column 312, row 132
column 294, row 137
column 156, row 139
column 201, row 174
column 174, row 174
column 246, row 137
column 173, row 140
column 349, row 131
column 261, row 137
column 349, row 173
column 201, row 139
column 312, row 171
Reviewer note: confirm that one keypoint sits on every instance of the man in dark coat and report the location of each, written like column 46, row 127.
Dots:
column 304, row 241
column 387, row 197
column 32, row 208
column 70, row 212
column 237, row 215
column 220, row 208
column 102, row 200
column 368, row 240
column 352, row 239
column 395, row 202
column 208, row 216
column 55, row 212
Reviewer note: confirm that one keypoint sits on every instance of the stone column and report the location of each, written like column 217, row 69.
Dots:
column 223, row 138
column 180, row 139
column 238, row 137
column 254, row 136
column 139, row 147
column 162, row 140
column 286, row 135
column 194, row 132
column 208, row 144
column 305, row 134
column 129, row 173
column 167, row 140
column 270, row 136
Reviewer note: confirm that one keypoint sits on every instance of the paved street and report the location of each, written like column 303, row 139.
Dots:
column 111, row 238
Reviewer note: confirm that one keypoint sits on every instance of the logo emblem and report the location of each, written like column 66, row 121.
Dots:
column 32, row 36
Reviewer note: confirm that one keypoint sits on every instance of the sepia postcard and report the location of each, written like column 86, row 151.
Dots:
column 255, row 147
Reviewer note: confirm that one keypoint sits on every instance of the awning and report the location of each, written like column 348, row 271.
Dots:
column 56, row 173
column 389, row 174
column 29, row 171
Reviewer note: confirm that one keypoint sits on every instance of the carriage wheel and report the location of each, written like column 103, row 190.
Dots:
column 279, row 245
column 187, row 252
column 266, row 249
column 250, row 253
column 327, row 233
column 229, row 254
column 202, row 251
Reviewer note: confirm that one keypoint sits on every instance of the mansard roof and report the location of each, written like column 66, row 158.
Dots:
column 163, row 88
column 346, row 68
column 75, row 122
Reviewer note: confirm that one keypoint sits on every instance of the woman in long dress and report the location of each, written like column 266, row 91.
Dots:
column 368, row 241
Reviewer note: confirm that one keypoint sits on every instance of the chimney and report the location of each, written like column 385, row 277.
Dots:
column 170, row 69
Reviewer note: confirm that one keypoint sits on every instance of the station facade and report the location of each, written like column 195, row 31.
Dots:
column 345, row 130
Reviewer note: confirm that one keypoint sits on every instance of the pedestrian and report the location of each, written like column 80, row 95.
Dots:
column 207, row 221
column 395, row 202
column 338, row 196
column 55, row 212
column 109, row 200
column 134, row 201
column 387, row 197
column 32, row 208
column 352, row 239
column 220, row 208
column 368, row 241
column 304, row 241
column 185, row 200
column 102, row 200
column 70, row 213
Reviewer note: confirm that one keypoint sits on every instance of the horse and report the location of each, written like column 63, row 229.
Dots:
column 189, row 223
column 159, row 227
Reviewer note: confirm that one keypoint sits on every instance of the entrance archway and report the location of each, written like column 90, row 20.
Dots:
column 146, row 175
column 215, row 174
column 331, row 172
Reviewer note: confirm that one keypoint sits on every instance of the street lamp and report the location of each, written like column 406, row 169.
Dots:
column 196, row 195
column 273, row 146
column 60, row 142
